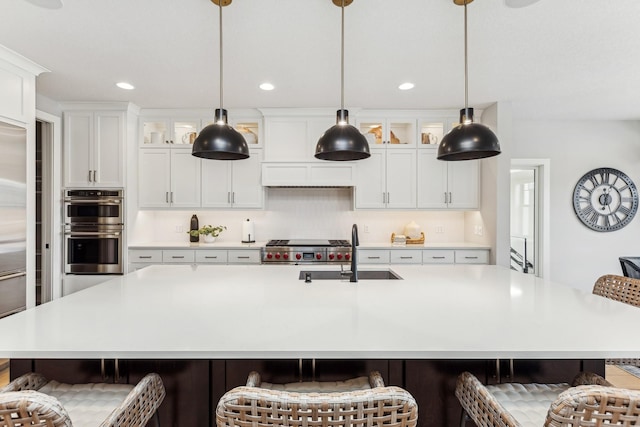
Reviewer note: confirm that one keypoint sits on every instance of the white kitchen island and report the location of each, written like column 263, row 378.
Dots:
column 265, row 311
column 204, row 328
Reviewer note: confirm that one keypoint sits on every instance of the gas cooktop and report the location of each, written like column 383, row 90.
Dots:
column 307, row 251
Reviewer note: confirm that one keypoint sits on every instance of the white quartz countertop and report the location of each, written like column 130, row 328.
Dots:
column 265, row 311
column 198, row 245
column 257, row 245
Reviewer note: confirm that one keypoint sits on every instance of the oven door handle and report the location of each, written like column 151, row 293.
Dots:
column 92, row 233
column 98, row 201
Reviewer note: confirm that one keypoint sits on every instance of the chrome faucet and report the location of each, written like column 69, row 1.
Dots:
column 354, row 253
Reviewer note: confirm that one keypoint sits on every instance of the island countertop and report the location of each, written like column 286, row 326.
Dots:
column 265, row 311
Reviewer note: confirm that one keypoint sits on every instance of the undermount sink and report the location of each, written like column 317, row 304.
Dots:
column 307, row 275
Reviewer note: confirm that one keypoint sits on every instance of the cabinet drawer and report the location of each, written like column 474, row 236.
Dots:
column 211, row 257
column 145, row 255
column 472, row 257
column 244, row 257
column 438, row 256
column 403, row 256
column 373, row 256
column 172, row 257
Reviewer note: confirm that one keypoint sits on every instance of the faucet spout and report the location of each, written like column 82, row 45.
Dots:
column 355, row 242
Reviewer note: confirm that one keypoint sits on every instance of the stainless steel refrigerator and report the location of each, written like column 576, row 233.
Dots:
column 13, row 221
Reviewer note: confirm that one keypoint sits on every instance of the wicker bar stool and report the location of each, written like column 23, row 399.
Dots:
column 32, row 400
column 622, row 289
column 589, row 401
column 361, row 402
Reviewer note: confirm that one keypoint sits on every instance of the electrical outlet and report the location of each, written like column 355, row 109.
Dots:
column 366, row 228
column 179, row 229
column 440, row 229
column 480, row 232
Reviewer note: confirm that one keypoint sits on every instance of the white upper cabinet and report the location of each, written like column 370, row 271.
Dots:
column 168, row 178
column 18, row 86
column 94, row 146
column 447, row 185
column 235, row 184
column 387, row 180
column 293, row 135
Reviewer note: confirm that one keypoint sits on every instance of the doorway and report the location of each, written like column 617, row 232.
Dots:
column 529, row 252
column 48, row 237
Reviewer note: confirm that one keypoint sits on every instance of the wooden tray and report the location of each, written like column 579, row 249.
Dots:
column 418, row 241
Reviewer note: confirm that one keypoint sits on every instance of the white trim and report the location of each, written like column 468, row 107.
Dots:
column 543, row 166
column 19, row 61
column 54, row 200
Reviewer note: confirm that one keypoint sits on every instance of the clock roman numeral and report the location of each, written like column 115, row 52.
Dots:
column 605, row 176
column 594, row 180
column 593, row 217
column 624, row 210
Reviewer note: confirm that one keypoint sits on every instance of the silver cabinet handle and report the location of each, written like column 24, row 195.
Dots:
column 172, row 197
column 384, row 197
column 243, row 257
column 437, row 257
column 166, row 196
column 445, row 197
column 144, row 257
column 471, row 257
column 450, row 199
column 210, row 257
column 373, row 257
column 228, row 196
column 406, row 257
column 90, row 175
column 94, row 176
column 388, row 198
column 233, row 197
column 177, row 257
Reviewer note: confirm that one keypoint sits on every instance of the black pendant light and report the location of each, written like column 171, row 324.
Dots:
column 342, row 141
column 219, row 141
column 468, row 140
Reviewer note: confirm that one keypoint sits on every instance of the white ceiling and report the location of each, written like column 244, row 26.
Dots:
column 555, row 58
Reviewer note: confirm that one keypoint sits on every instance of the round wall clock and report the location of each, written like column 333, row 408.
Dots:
column 605, row 199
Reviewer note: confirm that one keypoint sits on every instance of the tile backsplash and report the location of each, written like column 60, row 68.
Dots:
column 310, row 213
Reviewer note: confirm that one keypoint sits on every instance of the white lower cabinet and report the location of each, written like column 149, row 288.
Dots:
column 423, row 256
column 211, row 256
column 140, row 258
column 76, row 282
column 373, row 256
column 406, row 256
column 472, row 256
column 438, row 256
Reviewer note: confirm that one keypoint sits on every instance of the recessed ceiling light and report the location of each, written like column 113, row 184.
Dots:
column 406, row 86
column 267, row 86
column 125, row 85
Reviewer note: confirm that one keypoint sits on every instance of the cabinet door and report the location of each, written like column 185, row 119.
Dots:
column 432, row 180
column 371, row 182
column 406, row 256
column 78, row 137
column 154, row 178
column 286, row 139
column 247, row 191
column 401, row 179
column 185, row 179
column 464, row 184
column 216, row 183
column 108, row 156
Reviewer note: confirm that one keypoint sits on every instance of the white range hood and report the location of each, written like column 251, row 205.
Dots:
column 308, row 174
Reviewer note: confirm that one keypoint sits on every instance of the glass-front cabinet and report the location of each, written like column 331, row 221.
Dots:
column 164, row 132
column 249, row 127
column 432, row 130
column 388, row 132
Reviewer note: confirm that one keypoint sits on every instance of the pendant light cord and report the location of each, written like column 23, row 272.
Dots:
column 466, row 67
column 220, row 14
column 342, row 61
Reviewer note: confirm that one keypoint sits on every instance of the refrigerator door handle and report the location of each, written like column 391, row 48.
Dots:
column 13, row 276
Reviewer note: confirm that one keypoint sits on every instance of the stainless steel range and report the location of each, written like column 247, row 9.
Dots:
column 303, row 251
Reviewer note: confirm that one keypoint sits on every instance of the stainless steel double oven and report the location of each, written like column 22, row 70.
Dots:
column 93, row 231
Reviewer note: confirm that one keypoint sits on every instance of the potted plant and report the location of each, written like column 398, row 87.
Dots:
column 209, row 232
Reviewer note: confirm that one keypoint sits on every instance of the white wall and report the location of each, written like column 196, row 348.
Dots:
column 581, row 255
column 298, row 213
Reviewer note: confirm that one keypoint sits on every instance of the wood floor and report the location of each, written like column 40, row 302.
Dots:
column 615, row 375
